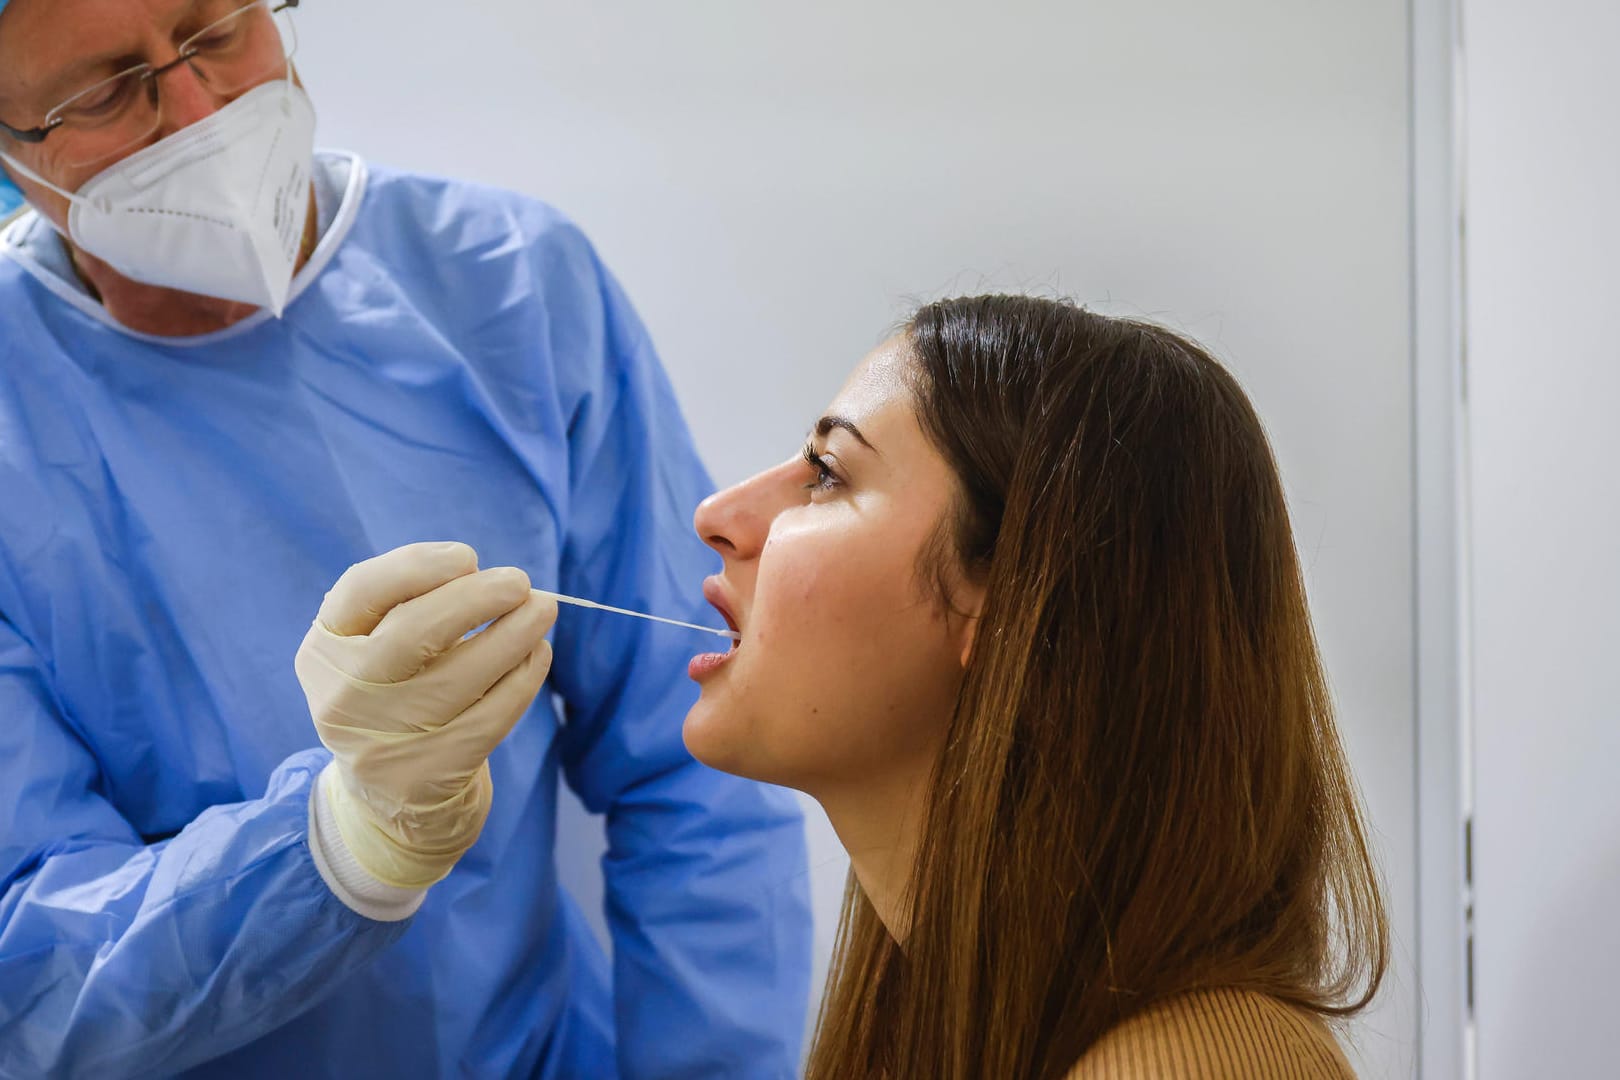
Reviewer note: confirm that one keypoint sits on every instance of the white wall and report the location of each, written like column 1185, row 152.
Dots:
column 775, row 182
column 1544, row 395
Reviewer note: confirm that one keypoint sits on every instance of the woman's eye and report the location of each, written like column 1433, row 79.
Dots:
column 825, row 480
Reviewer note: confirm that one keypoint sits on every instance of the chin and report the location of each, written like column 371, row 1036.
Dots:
column 728, row 743
column 713, row 741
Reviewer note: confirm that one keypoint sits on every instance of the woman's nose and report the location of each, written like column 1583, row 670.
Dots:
column 737, row 521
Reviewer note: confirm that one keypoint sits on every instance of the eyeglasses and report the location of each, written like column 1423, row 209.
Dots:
column 239, row 49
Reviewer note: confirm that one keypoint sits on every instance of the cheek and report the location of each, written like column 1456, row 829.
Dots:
column 821, row 616
column 807, row 594
column 845, row 669
column 53, row 206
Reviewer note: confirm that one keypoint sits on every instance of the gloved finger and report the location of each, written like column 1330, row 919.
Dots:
column 459, row 747
column 369, row 590
column 466, row 673
column 419, row 631
column 473, row 734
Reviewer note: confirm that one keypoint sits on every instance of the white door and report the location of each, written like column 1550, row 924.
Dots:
column 1543, row 262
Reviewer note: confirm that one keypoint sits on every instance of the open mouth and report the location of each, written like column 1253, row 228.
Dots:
column 703, row 666
column 714, row 593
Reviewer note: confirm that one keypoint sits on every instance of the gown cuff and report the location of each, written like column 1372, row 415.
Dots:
column 349, row 881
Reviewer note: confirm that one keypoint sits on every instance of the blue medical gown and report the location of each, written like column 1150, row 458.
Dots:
column 457, row 365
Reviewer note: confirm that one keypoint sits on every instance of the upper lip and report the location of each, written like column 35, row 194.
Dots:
column 715, row 593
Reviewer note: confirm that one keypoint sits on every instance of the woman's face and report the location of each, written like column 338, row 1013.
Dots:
column 849, row 665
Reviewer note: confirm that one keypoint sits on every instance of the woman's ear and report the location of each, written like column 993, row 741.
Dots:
column 967, row 605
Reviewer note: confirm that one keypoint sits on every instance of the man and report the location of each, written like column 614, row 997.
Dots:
column 228, row 371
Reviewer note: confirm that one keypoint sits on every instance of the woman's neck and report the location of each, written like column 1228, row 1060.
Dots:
column 880, row 823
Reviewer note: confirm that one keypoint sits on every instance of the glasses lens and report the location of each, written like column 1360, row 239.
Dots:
column 247, row 46
column 238, row 48
column 107, row 119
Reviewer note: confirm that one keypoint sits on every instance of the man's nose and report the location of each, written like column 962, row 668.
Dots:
column 184, row 98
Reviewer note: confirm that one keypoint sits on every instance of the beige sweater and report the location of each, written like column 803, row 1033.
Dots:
column 1217, row 1035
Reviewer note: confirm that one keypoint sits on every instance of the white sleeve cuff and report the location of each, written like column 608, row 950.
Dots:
column 349, row 881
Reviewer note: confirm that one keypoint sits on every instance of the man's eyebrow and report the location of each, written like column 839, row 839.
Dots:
column 87, row 71
column 84, row 73
column 827, row 424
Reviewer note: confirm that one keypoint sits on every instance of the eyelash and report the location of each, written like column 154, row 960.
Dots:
column 825, row 479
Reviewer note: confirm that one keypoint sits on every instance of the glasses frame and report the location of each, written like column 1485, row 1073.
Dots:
column 150, row 74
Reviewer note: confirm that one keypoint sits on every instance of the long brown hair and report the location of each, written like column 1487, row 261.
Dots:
column 1142, row 791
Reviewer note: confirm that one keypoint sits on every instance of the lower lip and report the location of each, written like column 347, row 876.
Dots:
column 707, row 664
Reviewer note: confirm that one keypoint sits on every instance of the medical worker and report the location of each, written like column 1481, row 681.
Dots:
column 230, row 369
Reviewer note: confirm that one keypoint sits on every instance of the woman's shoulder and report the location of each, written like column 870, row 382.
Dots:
column 1217, row 1035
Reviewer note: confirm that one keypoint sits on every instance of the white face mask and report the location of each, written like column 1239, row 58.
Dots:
column 218, row 208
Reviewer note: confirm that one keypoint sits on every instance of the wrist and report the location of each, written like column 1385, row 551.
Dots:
column 345, row 874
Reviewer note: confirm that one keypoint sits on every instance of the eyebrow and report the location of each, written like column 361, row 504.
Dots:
column 84, row 74
column 86, row 71
column 827, row 424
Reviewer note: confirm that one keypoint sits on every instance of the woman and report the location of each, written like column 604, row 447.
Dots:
column 1026, row 619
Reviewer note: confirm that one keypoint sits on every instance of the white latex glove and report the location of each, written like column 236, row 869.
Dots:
column 411, row 707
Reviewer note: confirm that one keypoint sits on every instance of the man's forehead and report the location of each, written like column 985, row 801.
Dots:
column 42, row 39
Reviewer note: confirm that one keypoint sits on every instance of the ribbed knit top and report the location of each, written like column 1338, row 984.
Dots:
column 1217, row 1035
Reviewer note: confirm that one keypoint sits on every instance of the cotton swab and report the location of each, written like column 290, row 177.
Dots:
column 577, row 602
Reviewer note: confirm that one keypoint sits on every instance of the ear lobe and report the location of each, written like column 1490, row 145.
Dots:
column 972, row 599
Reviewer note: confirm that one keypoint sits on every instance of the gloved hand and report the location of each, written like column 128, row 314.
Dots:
column 411, row 707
